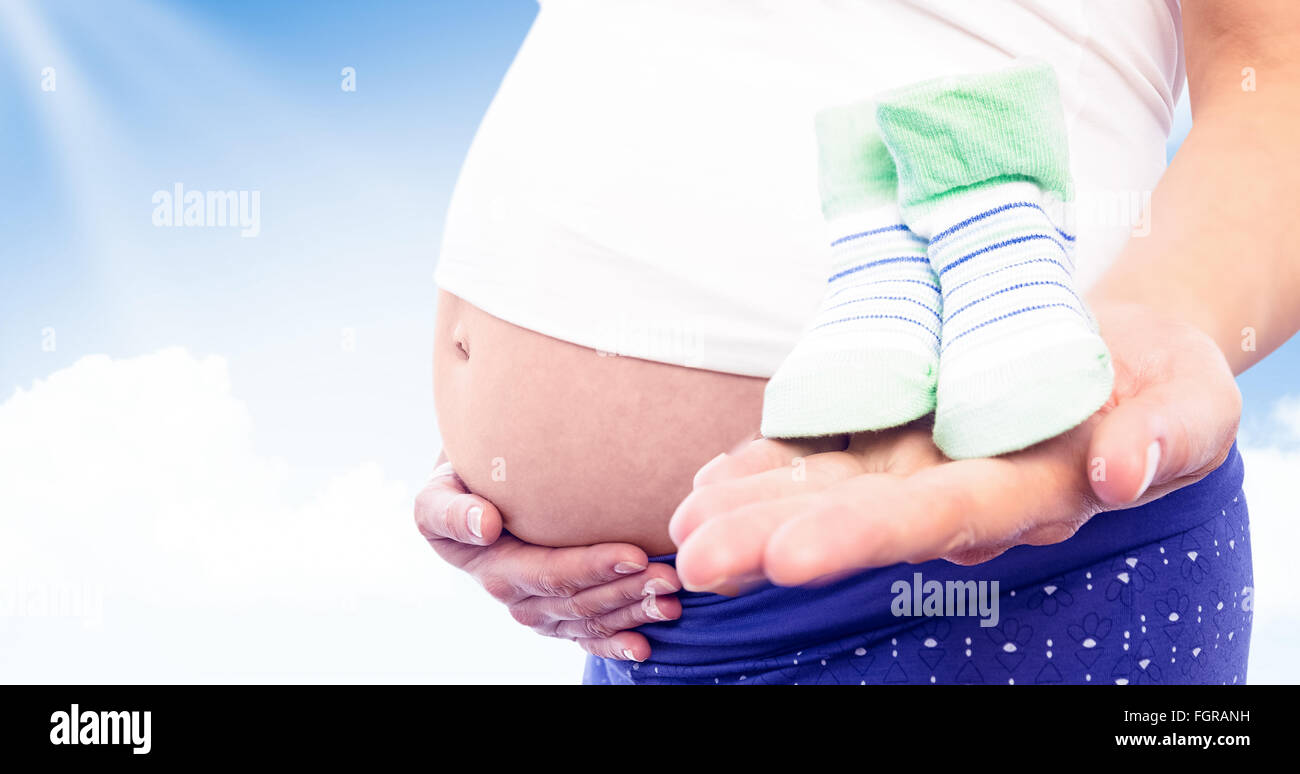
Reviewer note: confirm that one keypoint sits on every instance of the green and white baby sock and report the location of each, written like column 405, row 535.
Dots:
column 983, row 173
column 870, row 357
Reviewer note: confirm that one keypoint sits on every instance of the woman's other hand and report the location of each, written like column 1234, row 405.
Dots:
column 591, row 594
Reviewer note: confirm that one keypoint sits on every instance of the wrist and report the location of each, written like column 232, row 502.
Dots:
column 1128, row 296
column 1166, row 302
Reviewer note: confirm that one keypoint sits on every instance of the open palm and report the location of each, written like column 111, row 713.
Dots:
column 796, row 511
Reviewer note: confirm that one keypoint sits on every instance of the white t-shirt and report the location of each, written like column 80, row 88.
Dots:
column 645, row 181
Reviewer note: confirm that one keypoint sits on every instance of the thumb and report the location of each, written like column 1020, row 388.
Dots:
column 1179, row 429
column 445, row 510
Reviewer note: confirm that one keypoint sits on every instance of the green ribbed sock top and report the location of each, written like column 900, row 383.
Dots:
column 951, row 133
column 855, row 170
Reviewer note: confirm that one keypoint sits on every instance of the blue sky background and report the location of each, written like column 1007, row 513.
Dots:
column 245, row 94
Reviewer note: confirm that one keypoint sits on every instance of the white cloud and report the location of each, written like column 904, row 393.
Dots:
column 143, row 538
column 1286, row 416
column 1274, row 540
column 1272, row 457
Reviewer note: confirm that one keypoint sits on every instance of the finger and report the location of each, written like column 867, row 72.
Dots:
column 624, row 646
column 465, row 556
column 808, row 474
column 596, row 601
column 651, row 609
column 729, row 548
column 762, row 455
column 1168, row 432
column 445, row 510
column 536, row 571
column 959, row 507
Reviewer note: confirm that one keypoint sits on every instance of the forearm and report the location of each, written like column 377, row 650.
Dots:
column 1225, row 219
column 1222, row 249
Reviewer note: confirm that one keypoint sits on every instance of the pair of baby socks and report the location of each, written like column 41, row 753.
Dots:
column 951, row 287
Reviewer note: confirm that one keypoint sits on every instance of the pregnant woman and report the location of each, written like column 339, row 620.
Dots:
column 633, row 248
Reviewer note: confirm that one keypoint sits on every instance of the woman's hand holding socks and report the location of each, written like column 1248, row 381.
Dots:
column 983, row 171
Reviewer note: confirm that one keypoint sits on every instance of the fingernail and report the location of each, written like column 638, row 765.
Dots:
column 627, row 654
column 627, row 568
column 657, row 586
column 651, row 609
column 710, row 586
column 1153, row 462
column 475, row 517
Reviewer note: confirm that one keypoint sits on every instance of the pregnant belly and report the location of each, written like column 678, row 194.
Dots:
column 575, row 447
